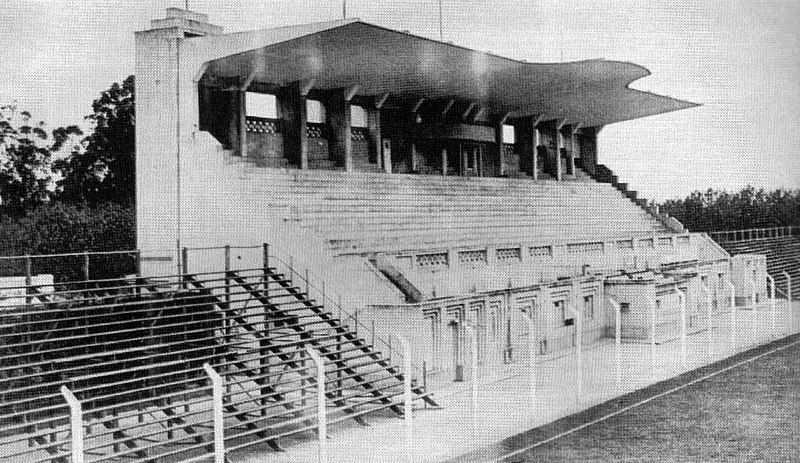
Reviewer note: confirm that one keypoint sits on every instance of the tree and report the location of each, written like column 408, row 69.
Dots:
column 717, row 210
column 105, row 171
column 27, row 159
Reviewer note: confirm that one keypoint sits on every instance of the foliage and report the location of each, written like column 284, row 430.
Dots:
column 28, row 159
column 717, row 210
column 105, row 171
column 67, row 228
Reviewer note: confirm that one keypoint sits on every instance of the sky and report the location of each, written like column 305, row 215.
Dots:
column 739, row 58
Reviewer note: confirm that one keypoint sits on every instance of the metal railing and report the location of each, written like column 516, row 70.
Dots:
column 131, row 358
column 72, row 268
column 749, row 234
column 315, row 287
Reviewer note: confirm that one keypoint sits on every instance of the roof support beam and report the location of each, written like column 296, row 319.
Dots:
column 538, row 119
column 417, row 105
column 575, row 127
column 306, row 85
column 350, row 92
column 380, row 100
column 249, row 80
column 469, row 110
column 477, row 114
column 503, row 118
column 447, row 107
column 560, row 123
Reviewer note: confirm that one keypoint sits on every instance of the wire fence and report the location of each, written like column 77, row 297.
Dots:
column 65, row 271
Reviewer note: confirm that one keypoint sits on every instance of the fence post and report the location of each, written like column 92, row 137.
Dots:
column 408, row 412
column 753, row 296
column 76, row 424
column 653, row 337
column 709, row 319
column 532, row 355
column 473, row 341
column 185, row 265
column 682, row 303
column 617, row 343
column 265, row 262
column 219, row 421
column 322, row 422
column 227, row 313
column 85, row 266
column 28, row 280
column 730, row 285
column 772, row 305
column 579, row 347
column 789, row 313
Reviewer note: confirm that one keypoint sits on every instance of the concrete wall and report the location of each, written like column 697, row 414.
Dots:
column 749, row 276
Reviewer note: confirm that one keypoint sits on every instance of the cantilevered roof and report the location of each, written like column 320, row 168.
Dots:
column 343, row 54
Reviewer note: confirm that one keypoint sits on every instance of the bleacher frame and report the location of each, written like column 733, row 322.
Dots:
column 133, row 353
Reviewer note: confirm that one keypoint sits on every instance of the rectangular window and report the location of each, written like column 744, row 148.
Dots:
column 624, row 307
column 588, row 306
column 315, row 112
column 358, row 116
column 261, row 105
column 508, row 134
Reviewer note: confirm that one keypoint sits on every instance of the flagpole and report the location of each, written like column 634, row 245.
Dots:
column 441, row 27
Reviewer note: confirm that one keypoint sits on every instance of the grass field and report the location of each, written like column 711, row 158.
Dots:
column 750, row 413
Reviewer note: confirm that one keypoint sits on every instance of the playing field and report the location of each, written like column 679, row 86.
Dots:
column 747, row 413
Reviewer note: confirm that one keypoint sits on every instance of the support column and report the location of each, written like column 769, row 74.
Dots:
column 559, row 146
column 571, row 153
column 294, row 115
column 242, row 119
column 376, row 139
column 234, row 111
column 589, row 149
column 498, row 142
column 527, row 141
column 444, row 161
column 537, row 140
column 339, row 121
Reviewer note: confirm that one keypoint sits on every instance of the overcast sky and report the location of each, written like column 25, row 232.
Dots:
column 739, row 58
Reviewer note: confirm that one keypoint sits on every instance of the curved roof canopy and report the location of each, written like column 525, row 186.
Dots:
column 350, row 53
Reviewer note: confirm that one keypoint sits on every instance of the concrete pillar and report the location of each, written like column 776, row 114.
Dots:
column 444, row 161
column 527, row 140
column 559, row 146
column 537, row 140
column 571, row 152
column 242, row 119
column 294, row 115
column 414, row 160
column 376, row 140
column 589, row 149
column 498, row 142
column 339, row 117
column 234, row 114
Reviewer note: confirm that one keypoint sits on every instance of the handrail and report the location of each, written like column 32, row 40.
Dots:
column 749, row 234
column 327, row 297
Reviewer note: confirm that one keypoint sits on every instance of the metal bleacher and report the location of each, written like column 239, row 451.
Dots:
column 783, row 255
column 134, row 354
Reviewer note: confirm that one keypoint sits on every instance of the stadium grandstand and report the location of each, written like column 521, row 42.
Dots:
column 780, row 245
column 333, row 187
